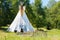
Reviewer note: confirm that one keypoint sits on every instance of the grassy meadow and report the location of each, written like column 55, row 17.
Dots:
column 53, row 34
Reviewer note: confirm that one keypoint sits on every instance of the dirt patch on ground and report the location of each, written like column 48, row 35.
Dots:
column 35, row 33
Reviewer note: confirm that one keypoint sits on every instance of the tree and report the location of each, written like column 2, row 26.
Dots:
column 7, row 12
column 39, row 13
column 53, row 15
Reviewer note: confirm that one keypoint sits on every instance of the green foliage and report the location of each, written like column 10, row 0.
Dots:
column 38, row 16
column 8, row 12
column 53, row 15
column 39, row 13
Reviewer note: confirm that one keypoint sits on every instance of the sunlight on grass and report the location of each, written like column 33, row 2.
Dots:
column 53, row 34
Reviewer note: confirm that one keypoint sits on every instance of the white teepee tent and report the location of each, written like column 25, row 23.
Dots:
column 21, row 22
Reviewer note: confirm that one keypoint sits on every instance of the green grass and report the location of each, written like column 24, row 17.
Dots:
column 53, row 34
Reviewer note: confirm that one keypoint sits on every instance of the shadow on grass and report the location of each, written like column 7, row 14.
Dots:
column 3, row 29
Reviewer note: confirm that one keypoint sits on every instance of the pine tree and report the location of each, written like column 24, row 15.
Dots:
column 40, row 15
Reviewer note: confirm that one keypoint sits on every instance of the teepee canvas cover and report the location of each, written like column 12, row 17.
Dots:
column 21, row 22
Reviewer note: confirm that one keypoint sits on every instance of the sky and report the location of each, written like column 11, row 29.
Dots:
column 43, row 1
column 31, row 1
